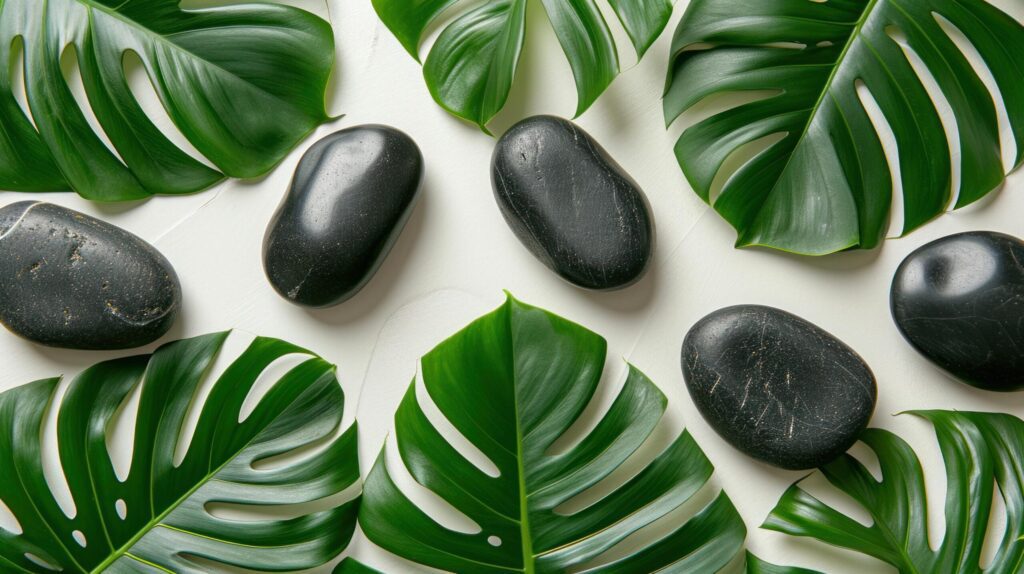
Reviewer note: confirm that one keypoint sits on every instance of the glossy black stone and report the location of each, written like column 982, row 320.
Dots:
column 571, row 205
column 960, row 302
column 777, row 387
column 73, row 281
column 351, row 195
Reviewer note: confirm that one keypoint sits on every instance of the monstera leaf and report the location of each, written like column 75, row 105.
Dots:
column 159, row 517
column 471, row 66
column 980, row 451
column 512, row 383
column 244, row 84
column 823, row 183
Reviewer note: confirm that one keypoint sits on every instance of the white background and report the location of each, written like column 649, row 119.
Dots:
column 456, row 255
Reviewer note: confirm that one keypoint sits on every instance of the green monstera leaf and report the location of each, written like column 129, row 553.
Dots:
column 244, row 84
column 470, row 68
column 512, row 383
column 980, row 450
column 158, row 518
column 823, row 183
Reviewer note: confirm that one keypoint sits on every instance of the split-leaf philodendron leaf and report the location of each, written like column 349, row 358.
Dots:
column 159, row 517
column 470, row 68
column 512, row 383
column 823, row 183
column 244, row 84
column 980, row 450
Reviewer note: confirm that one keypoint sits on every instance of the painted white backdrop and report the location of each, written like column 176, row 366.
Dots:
column 456, row 255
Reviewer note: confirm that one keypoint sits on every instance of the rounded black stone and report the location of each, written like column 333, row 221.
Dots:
column 777, row 387
column 351, row 195
column 73, row 281
column 960, row 302
column 571, row 205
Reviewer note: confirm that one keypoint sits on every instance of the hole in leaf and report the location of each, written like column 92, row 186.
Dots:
column 949, row 123
column 79, row 537
column 868, row 458
column 655, row 444
column 429, row 502
column 494, row 541
column 892, row 156
column 121, row 508
column 738, row 158
column 236, row 344
column 8, row 521
column 1006, row 139
column 120, row 433
column 267, row 510
column 40, row 562
column 73, row 78
column 140, row 85
column 612, row 380
column 996, row 532
column 16, row 67
column 456, row 439
column 53, row 473
column 266, row 381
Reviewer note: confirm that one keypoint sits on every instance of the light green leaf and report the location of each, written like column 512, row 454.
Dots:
column 159, row 517
column 244, row 84
column 512, row 383
column 470, row 69
column 980, row 450
column 824, row 184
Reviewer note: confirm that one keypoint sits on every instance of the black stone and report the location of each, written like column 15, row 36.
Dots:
column 73, row 281
column 777, row 387
column 571, row 205
column 960, row 302
column 351, row 195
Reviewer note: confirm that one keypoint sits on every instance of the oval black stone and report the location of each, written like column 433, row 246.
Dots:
column 777, row 387
column 73, row 281
column 959, row 301
column 571, row 205
column 351, row 195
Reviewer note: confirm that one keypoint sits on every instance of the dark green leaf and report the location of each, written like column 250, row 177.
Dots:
column 757, row 566
column 512, row 383
column 243, row 84
column 470, row 69
column 166, row 518
column 980, row 450
column 350, row 566
column 826, row 184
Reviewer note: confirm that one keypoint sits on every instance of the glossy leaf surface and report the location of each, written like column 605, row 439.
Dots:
column 470, row 68
column 244, row 84
column 512, row 383
column 823, row 183
column 159, row 517
column 980, row 450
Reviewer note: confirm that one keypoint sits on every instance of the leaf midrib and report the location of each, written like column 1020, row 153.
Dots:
column 826, row 89
column 525, row 537
column 156, row 520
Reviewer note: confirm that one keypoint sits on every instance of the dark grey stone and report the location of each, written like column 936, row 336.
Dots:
column 960, row 302
column 777, row 387
column 351, row 195
column 571, row 205
column 73, row 281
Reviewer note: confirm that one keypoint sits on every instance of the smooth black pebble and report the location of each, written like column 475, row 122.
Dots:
column 960, row 302
column 571, row 205
column 351, row 195
column 73, row 281
column 777, row 387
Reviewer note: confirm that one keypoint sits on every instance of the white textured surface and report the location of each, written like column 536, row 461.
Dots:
column 456, row 255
